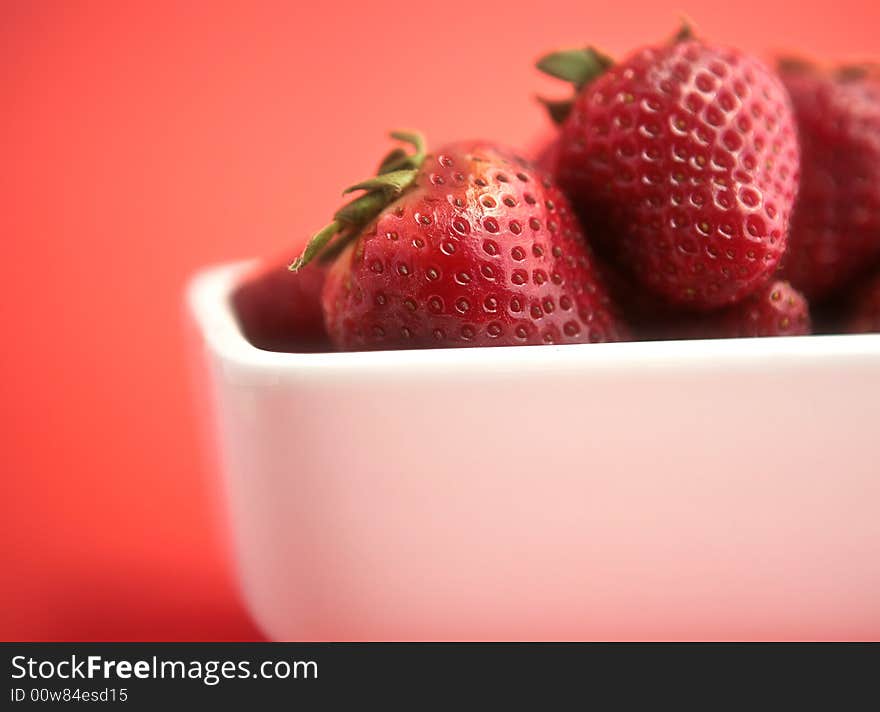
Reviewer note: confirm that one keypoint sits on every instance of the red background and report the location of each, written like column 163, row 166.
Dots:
column 140, row 141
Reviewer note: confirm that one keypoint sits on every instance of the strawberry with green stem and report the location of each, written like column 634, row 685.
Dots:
column 465, row 246
column 682, row 161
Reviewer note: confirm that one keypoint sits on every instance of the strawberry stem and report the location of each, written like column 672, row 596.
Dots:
column 685, row 31
column 396, row 174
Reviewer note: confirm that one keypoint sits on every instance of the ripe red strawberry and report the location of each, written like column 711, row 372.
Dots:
column 682, row 161
column 471, row 246
column 865, row 313
column 835, row 229
column 776, row 309
column 281, row 311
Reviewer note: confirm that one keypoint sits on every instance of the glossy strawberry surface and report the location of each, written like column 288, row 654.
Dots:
column 683, row 162
column 482, row 250
column 835, row 232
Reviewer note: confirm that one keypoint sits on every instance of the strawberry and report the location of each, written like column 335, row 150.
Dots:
column 682, row 161
column 864, row 315
column 776, row 309
column 280, row 311
column 835, row 229
column 467, row 246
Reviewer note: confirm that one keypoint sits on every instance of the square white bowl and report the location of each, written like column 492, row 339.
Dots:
column 717, row 489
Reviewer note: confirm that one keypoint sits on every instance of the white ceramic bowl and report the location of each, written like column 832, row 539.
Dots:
column 724, row 489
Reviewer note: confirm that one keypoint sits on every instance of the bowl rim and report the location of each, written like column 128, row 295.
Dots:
column 208, row 300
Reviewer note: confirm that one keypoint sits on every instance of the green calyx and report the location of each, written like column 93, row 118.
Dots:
column 855, row 72
column 843, row 73
column 685, row 32
column 396, row 173
column 578, row 67
column 795, row 65
column 558, row 110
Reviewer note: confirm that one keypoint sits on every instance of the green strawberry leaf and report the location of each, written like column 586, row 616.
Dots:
column 394, row 161
column 558, row 110
column 576, row 66
column 392, row 183
column 363, row 209
column 396, row 174
column 316, row 245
